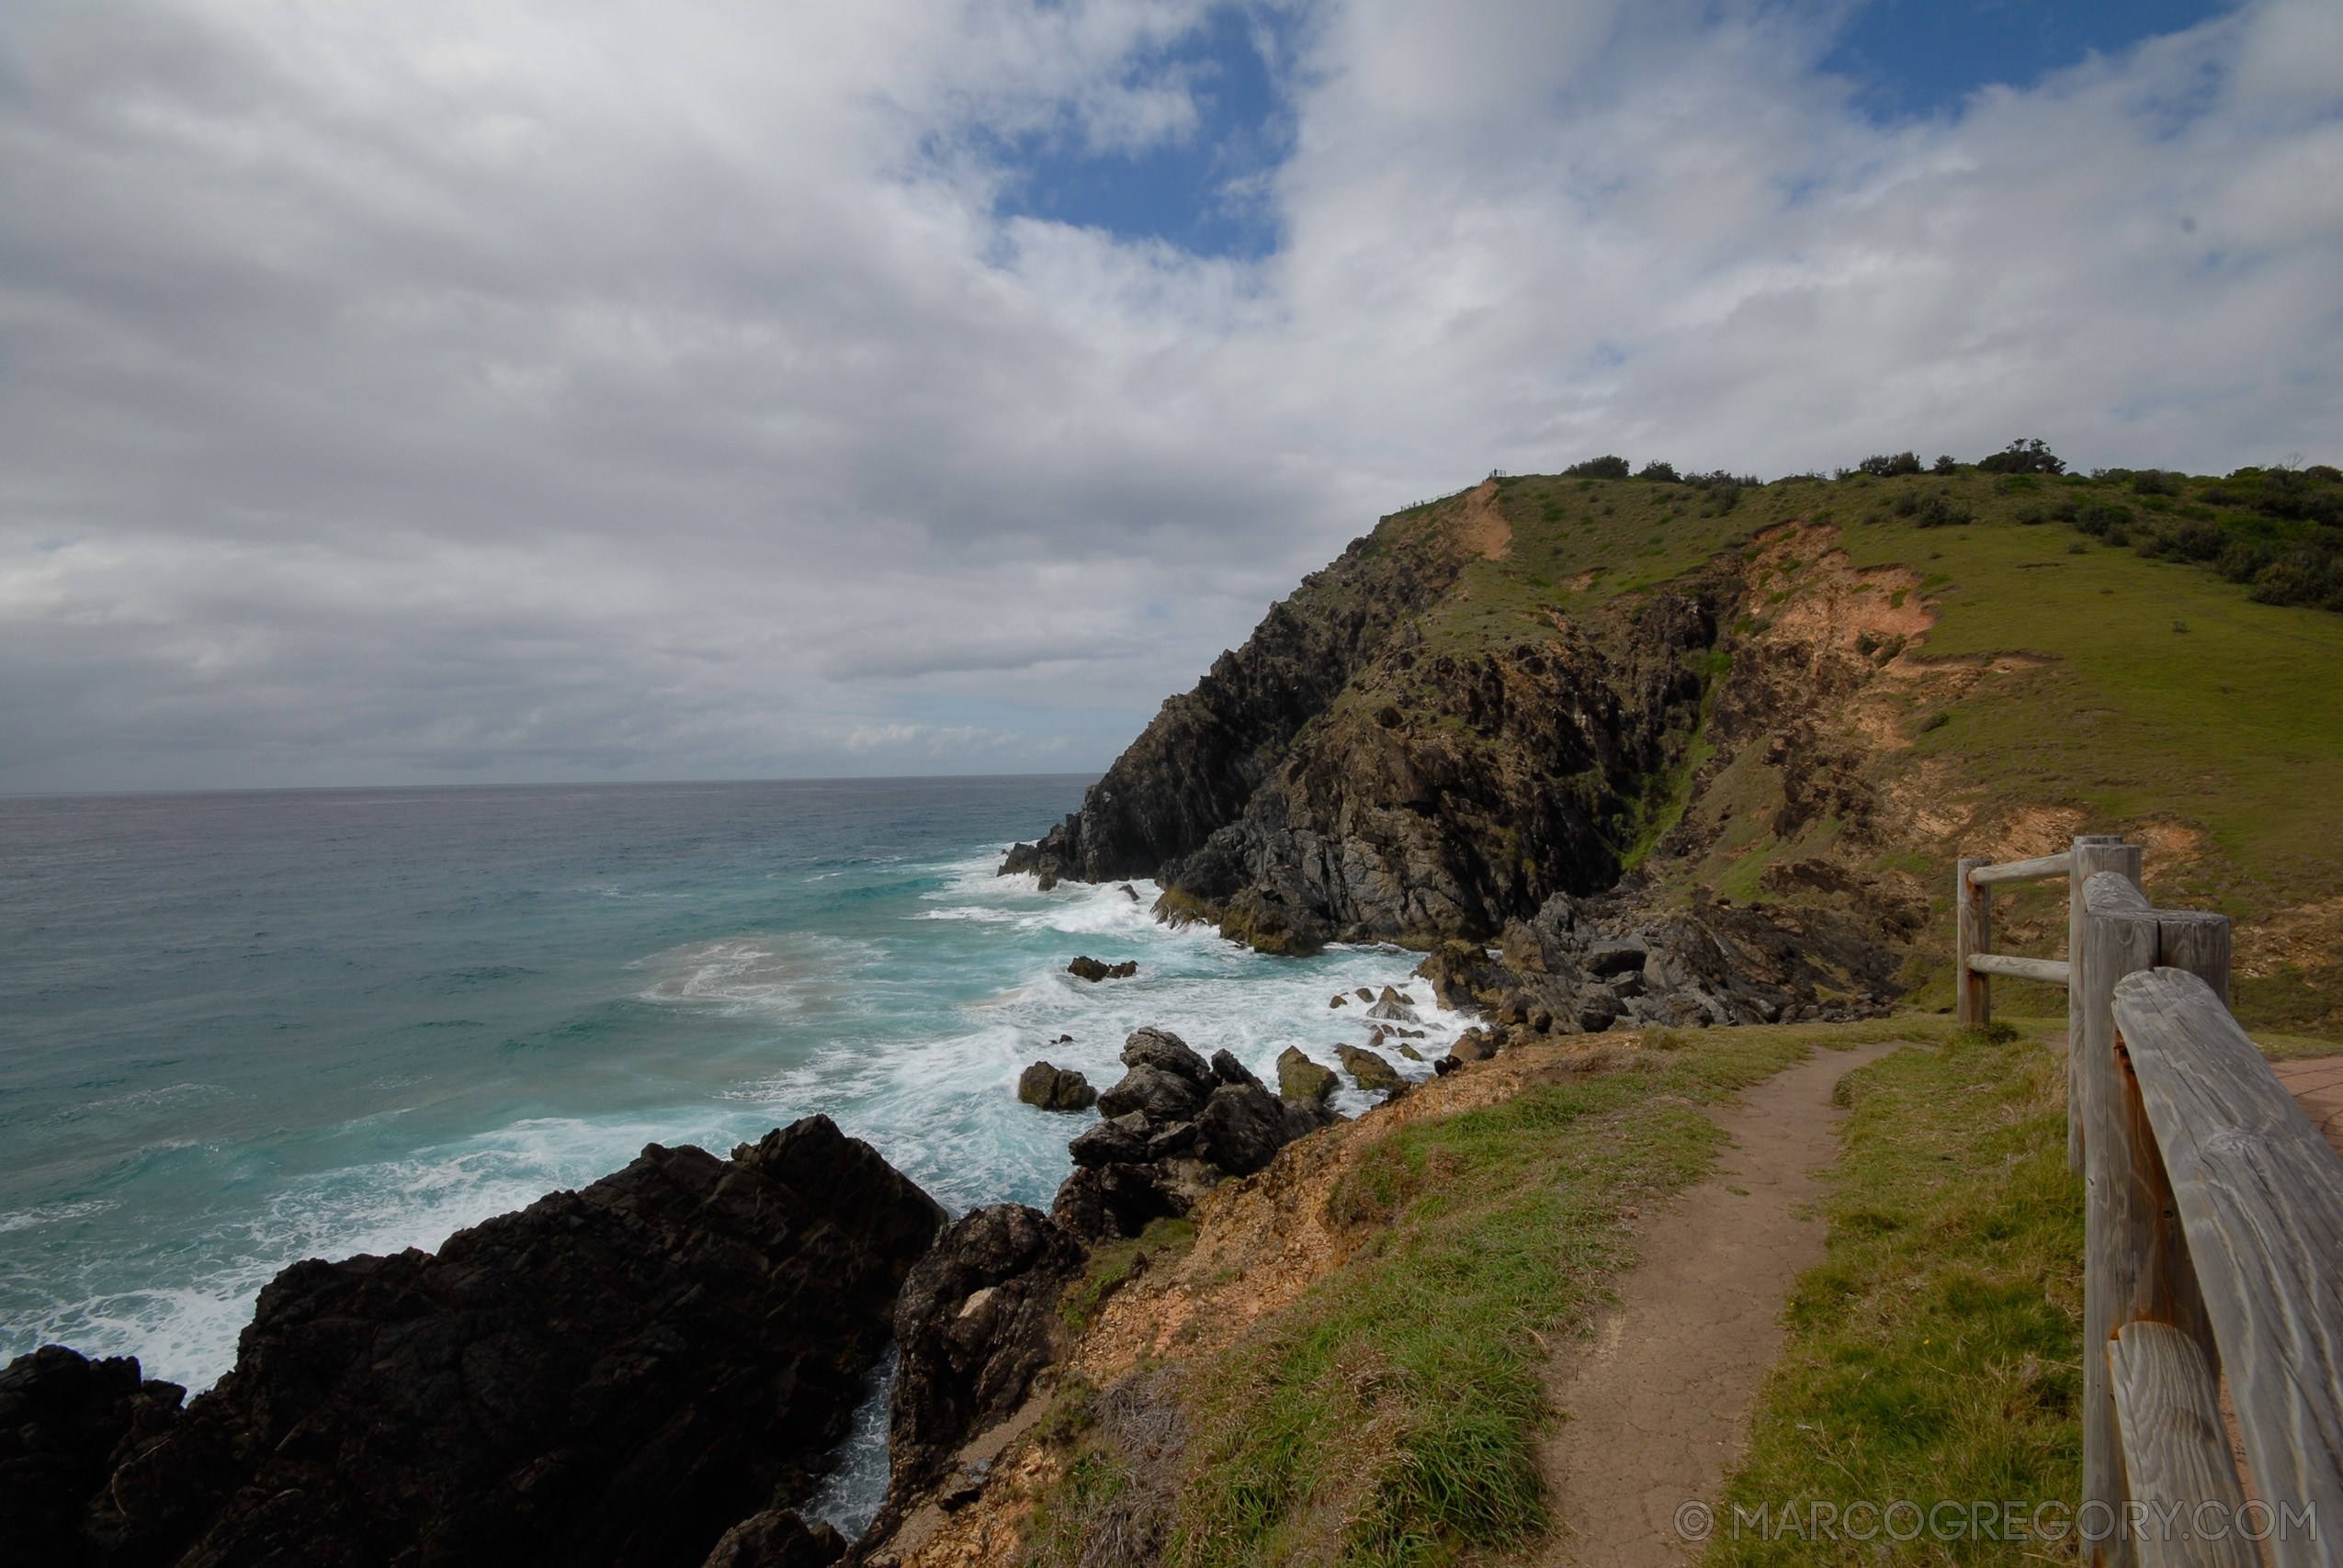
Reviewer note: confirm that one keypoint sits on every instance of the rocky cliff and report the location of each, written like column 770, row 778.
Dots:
column 616, row 1375
column 1495, row 738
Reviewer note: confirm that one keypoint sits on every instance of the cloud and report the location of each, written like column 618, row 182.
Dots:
column 540, row 390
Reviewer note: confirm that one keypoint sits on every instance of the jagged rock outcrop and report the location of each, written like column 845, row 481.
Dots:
column 1584, row 964
column 1170, row 1131
column 65, row 1421
column 1205, row 753
column 1490, row 783
column 613, row 1375
column 978, row 1318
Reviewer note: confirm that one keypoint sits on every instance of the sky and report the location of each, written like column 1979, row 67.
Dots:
column 496, row 390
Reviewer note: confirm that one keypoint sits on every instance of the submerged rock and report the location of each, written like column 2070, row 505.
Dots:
column 617, row 1375
column 1094, row 970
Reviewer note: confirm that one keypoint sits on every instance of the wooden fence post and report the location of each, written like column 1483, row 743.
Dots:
column 2091, row 853
column 1971, row 933
column 2120, row 938
column 2136, row 1262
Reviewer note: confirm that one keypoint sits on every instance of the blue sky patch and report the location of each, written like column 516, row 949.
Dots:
column 1203, row 192
column 1915, row 58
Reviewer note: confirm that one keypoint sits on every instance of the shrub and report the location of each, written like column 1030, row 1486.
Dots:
column 2156, row 481
column 1907, row 504
column 1660, row 472
column 1603, row 467
column 2101, row 519
column 2241, row 560
column 2194, row 541
column 1945, row 465
column 2028, row 455
column 1940, row 510
column 1888, row 467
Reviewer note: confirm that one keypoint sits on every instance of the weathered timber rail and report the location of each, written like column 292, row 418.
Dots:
column 2214, row 1232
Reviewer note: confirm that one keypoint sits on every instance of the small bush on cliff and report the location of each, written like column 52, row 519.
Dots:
column 1888, row 466
column 1603, row 467
column 2028, row 455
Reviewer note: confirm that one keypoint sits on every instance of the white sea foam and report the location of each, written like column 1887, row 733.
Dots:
column 54, row 1213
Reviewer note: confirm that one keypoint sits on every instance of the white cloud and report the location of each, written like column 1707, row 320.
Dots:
column 533, row 388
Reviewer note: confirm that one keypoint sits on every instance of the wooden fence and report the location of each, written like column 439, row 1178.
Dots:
column 2214, row 1232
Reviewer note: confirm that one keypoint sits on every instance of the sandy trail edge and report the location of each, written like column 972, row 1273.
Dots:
column 1659, row 1400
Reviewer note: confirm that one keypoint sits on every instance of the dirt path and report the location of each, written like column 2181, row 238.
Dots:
column 2317, row 1085
column 1659, row 1401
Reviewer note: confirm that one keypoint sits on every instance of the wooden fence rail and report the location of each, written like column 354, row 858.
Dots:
column 2214, row 1232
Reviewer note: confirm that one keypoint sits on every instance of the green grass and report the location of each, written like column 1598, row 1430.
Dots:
column 2230, row 731
column 1935, row 1354
column 1391, row 1415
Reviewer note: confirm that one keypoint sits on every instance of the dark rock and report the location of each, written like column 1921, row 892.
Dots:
column 777, row 1538
column 1241, row 1128
column 1410, row 1053
column 1119, row 1140
column 1227, row 1069
column 1055, row 1088
column 1154, row 1093
column 1366, row 995
column 1298, row 1078
column 1063, row 1040
column 1340, row 1001
column 1093, row 970
column 1628, row 983
column 1107, row 1201
column 62, row 1417
column 1163, row 1049
column 976, row 1319
column 1597, row 1009
column 1615, row 957
column 613, row 1375
column 1127, row 891
column 1176, row 1139
column 1371, row 1071
column 1447, row 1065
column 1392, row 1008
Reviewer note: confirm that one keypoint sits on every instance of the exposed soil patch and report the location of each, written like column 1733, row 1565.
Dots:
column 1659, row 1401
column 1480, row 526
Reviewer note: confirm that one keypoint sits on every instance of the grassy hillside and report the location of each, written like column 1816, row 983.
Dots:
column 2069, row 683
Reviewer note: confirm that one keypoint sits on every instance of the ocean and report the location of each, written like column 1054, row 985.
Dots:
column 241, row 1029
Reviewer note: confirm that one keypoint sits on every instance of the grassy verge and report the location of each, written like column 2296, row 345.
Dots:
column 1935, row 1354
column 1392, row 1415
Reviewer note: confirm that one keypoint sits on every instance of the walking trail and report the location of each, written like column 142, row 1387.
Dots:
column 1658, row 1403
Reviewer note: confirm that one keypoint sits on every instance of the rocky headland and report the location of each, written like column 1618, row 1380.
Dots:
column 1530, row 803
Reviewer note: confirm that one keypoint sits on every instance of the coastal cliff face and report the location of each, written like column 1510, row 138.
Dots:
column 1347, row 775
column 1498, row 733
column 616, row 1375
column 1203, row 757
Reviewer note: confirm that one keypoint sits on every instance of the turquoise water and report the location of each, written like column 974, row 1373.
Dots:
column 237, row 1029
